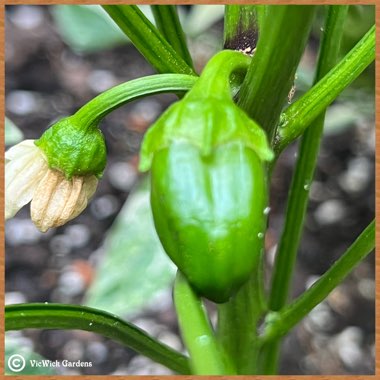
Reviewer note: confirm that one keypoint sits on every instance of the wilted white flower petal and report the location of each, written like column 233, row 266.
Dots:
column 24, row 168
column 18, row 150
column 58, row 200
column 89, row 186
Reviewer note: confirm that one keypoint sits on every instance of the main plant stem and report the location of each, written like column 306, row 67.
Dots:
column 299, row 189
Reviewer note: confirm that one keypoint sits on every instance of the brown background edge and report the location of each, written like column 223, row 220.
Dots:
column 2, row 255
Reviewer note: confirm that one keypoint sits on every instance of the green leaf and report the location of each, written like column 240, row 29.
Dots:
column 342, row 116
column 16, row 353
column 279, row 323
column 298, row 116
column 168, row 23
column 70, row 317
column 87, row 28
column 135, row 269
column 147, row 39
column 360, row 19
column 13, row 134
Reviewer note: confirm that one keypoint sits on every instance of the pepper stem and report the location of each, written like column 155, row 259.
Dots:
column 221, row 74
column 206, row 354
column 96, row 109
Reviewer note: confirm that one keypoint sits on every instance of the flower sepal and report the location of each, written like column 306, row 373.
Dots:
column 74, row 150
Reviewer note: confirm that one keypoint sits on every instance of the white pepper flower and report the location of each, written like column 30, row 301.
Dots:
column 55, row 199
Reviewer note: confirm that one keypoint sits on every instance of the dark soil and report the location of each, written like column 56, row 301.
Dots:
column 45, row 80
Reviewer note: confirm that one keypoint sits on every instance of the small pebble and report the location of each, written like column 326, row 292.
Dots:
column 101, row 80
column 320, row 319
column 120, row 371
column 73, row 350
column 357, row 175
column 27, row 17
column 150, row 326
column 143, row 114
column 162, row 301
column 309, row 364
column 170, row 340
column 79, row 235
column 60, row 245
column 71, row 283
column 105, row 206
column 21, row 231
column 12, row 298
column 339, row 300
column 141, row 365
column 317, row 192
column 24, row 343
column 367, row 288
column 22, row 102
column 348, row 347
column 97, row 352
column 330, row 212
column 122, row 175
column 351, row 334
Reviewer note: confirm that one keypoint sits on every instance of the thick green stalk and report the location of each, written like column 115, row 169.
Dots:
column 241, row 26
column 100, row 106
column 74, row 317
column 168, row 24
column 301, row 113
column 302, row 178
column 279, row 323
column 237, row 322
column 304, row 170
column 147, row 39
column 206, row 355
column 283, row 37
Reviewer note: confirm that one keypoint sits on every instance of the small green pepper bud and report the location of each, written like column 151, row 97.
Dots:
column 208, row 183
column 73, row 149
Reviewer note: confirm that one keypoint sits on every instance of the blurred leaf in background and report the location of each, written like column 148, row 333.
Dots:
column 201, row 18
column 133, row 254
column 13, row 134
column 346, row 114
column 359, row 19
column 87, row 28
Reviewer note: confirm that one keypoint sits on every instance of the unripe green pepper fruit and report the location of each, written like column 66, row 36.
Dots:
column 73, row 149
column 208, row 183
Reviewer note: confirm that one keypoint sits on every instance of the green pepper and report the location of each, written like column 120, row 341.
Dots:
column 208, row 184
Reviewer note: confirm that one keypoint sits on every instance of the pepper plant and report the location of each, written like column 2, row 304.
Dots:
column 210, row 158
